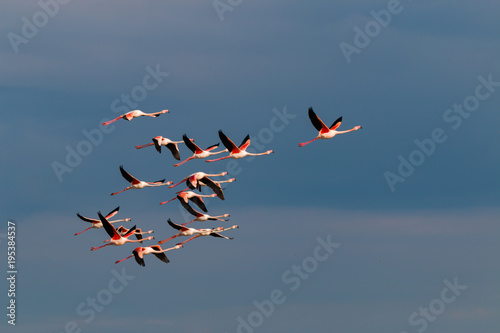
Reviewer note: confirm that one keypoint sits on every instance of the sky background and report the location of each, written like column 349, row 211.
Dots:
column 236, row 71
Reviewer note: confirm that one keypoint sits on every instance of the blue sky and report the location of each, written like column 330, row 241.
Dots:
column 403, row 229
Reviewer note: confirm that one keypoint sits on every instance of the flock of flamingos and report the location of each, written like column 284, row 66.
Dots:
column 195, row 181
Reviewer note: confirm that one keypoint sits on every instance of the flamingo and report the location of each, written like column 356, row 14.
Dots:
column 116, row 238
column 325, row 132
column 159, row 141
column 134, row 114
column 140, row 252
column 237, row 152
column 184, row 196
column 138, row 184
column 200, row 217
column 196, row 179
column 209, row 232
column 197, row 151
column 137, row 232
column 96, row 224
column 230, row 180
column 185, row 231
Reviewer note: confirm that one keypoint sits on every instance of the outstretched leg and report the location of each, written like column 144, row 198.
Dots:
column 112, row 121
column 144, row 146
column 181, row 163
column 305, row 143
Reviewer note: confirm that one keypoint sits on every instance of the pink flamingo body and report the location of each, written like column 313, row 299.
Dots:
column 325, row 132
column 196, row 179
column 137, row 232
column 134, row 114
column 159, row 141
column 209, row 232
column 116, row 238
column 185, row 231
column 140, row 252
column 197, row 151
column 96, row 224
column 200, row 217
column 237, row 152
column 138, row 184
column 184, row 196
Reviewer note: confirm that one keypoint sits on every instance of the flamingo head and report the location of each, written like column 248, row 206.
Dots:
column 357, row 128
column 165, row 111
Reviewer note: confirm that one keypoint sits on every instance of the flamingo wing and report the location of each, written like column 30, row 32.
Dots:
column 162, row 256
column 245, row 143
column 157, row 144
column 121, row 230
column 317, row 123
column 113, row 212
column 199, row 202
column 138, row 234
column 215, row 234
column 191, row 145
column 108, row 227
column 131, row 231
column 128, row 177
column 228, row 143
column 214, row 186
column 336, row 124
column 212, row 147
column 175, row 225
column 86, row 219
column 139, row 258
column 174, row 150
column 190, row 209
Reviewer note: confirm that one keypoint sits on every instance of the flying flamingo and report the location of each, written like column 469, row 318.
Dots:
column 138, row 184
column 230, row 180
column 137, row 232
column 185, row 231
column 96, row 224
column 325, row 132
column 184, row 196
column 140, row 252
column 237, row 151
column 200, row 217
column 196, row 179
column 134, row 114
column 159, row 141
column 197, row 151
column 209, row 232
column 116, row 238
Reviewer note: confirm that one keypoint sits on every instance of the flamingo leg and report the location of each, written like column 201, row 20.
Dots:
column 83, row 231
column 164, row 202
column 144, row 146
column 99, row 247
column 305, row 143
column 188, row 222
column 182, row 181
column 181, row 163
column 128, row 188
column 112, row 121
column 130, row 256
column 166, row 240
column 187, row 240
